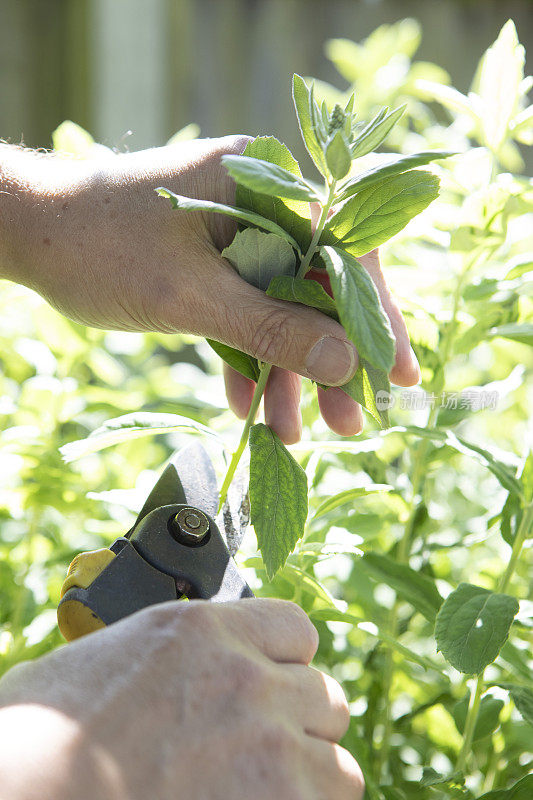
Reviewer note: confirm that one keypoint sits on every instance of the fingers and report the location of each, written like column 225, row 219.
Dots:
column 337, row 774
column 342, row 414
column 279, row 629
column 405, row 371
column 282, row 405
column 320, row 705
column 239, row 391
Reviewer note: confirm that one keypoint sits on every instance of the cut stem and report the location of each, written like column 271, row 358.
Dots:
column 256, row 400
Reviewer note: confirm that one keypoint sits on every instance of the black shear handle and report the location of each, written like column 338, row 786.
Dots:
column 175, row 551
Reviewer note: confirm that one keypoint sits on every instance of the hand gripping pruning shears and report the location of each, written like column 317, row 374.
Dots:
column 173, row 551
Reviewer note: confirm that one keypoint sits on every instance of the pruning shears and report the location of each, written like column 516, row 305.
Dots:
column 174, row 550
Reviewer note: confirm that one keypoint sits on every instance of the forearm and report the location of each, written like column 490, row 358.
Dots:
column 34, row 188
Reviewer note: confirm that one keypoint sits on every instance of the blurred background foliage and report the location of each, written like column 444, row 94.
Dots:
column 461, row 272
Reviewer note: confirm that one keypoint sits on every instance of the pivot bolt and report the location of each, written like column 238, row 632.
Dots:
column 191, row 526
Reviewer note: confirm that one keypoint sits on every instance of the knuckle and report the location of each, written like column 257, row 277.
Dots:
column 273, row 338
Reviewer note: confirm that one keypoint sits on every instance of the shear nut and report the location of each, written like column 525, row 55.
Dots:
column 190, row 525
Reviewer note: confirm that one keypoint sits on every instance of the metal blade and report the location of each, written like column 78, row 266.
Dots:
column 190, row 478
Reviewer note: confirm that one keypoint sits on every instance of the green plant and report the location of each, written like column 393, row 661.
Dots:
column 357, row 212
column 405, row 524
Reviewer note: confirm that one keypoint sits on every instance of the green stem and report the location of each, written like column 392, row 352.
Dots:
column 470, row 723
column 256, row 399
column 265, row 369
column 521, row 535
column 306, row 260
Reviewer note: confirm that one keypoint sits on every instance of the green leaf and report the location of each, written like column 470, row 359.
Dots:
column 338, row 156
column 242, row 362
column 516, row 331
column 376, row 131
column 335, row 615
column 258, row 257
column 303, row 103
column 294, row 216
column 523, row 790
column 300, row 290
column 389, row 170
column 416, row 588
column 370, row 387
column 347, row 496
column 190, row 204
column 267, row 178
column 522, row 697
column 360, row 309
column 131, row 426
column 185, row 134
column 472, row 627
column 378, row 212
column 488, row 718
column 278, row 497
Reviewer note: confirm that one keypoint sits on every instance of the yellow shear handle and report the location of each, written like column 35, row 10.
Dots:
column 73, row 617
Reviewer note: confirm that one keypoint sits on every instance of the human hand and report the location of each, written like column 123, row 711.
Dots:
column 100, row 245
column 194, row 699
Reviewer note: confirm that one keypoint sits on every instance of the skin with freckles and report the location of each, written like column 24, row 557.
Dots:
column 94, row 239
column 197, row 700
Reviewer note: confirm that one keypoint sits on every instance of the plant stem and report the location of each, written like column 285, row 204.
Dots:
column 521, row 535
column 256, row 399
column 265, row 369
column 470, row 723
column 306, row 260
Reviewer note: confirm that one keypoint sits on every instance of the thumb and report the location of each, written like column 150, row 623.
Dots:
column 289, row 335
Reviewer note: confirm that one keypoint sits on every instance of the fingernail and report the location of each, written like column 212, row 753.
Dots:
column 332, row 361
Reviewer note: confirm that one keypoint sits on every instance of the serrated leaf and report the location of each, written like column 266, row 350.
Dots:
column 302, row 103
column 370, row 387
column 488, row 717
column 416, row 588
column 516, row 331
column 338, row 156
column 347, row 496
column 293, row 215
column 278, row 497
column 522, row 697
column 472, row 626
column 242, row 362
column 360, row 309
column 300, row 290
column 258, row 257
column 131, row 426
column 389, row 170
column 523, row 790
column 267, row 178
column 376, row 131
column 378, row 212
column 191, row 204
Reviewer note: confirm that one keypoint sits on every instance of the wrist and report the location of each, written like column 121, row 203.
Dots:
column 35, row 189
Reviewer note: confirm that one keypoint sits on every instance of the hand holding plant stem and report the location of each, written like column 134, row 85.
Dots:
column 273, row 198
